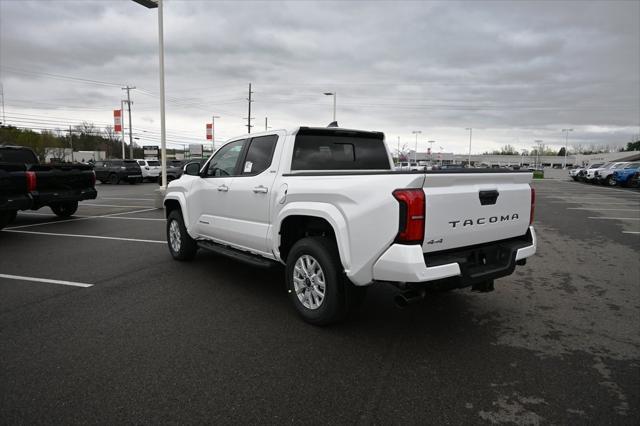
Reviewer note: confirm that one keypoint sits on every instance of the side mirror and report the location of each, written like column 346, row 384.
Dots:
column 192, row 169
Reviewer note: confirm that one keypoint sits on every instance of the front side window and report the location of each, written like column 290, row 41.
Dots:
column 259, row 155
column 141, row 162
column 224, row 162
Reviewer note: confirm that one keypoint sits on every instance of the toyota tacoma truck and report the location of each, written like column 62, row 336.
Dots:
column 27, row 185
column 328, row 204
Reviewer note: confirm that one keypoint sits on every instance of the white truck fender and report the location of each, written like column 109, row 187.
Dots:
column 322, row 210
column 180, row 198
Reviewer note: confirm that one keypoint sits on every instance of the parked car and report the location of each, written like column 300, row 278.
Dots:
column 150, row 169
column 605, row 176
column 582, row 174
column 175, row 168
column 634, row 182
column 623, row 176
column 326, row 203
column 27, row 185
column 116, row 171
column 574, row 171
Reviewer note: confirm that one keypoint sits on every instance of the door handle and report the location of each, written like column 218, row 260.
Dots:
column 260, row 189
column 223, row 188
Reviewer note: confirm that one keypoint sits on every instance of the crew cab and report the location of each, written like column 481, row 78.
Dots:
column 328, row 204
column 27, row 185
column 605, row 175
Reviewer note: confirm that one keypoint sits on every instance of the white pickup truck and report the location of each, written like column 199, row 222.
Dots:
column 327, row 203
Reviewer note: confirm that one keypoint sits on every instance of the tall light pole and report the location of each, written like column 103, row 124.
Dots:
column 152, row 4
column 566, row 142
column 398, row 150
column 213, row 133
column 415, row 153
column 539, row 143
column 334, row 94
column 431, row 150
column 470, row 133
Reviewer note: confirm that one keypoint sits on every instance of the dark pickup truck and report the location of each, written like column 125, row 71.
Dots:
column 27, row 185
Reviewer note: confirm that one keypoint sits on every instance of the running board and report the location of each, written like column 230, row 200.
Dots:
column 240, row 255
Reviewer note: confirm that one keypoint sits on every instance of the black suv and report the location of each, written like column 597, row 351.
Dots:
column 114, row 171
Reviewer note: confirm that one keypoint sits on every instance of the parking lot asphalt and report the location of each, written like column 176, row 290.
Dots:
column 134, row 336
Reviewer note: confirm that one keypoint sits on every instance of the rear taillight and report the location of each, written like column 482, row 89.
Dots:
column 533, row 205
column 31, row 181
column 412, row 212
column 93, row 178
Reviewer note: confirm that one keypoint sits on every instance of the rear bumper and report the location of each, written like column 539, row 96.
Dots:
column 41, row 199
column 18, row 202
column 407, row 263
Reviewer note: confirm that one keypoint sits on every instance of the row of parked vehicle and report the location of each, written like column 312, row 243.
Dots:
column 622, row 173
column 138, row 171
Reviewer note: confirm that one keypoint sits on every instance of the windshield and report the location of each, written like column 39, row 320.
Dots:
column 632, row 166
column 595, row 166
column 153, row 163
column 619, row 166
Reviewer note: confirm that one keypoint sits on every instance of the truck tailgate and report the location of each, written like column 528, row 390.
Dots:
column 465, row 209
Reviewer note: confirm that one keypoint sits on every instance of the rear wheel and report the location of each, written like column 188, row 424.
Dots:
column 611, row 181
column 114, row 179
column 316, row 284
column 181, row 245
column 66, row 209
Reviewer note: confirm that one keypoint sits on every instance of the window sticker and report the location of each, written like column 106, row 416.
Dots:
column 248, row 165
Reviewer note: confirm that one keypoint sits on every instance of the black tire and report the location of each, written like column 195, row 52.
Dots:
column 6, row 217
column 187, row 247
column 103, row 181
column 335, row 305
column 114, row 179
column 610, row 181
column 133, row 181
column 66, row 209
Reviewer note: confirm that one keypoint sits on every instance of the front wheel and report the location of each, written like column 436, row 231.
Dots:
column 66, row 209
column 315, row 281
column 114, row 179
column 181, row 245
column 611, row 181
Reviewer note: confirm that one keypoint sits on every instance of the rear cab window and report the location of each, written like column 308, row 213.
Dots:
column 329, row 149
column 22, row 156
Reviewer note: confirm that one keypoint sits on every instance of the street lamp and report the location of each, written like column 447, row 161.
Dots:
column 566, row 142
column 415, row 153
column 470, row 133
column 152, row 4
column 334, row 94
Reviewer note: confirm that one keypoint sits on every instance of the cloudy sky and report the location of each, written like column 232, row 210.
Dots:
column 513, row 71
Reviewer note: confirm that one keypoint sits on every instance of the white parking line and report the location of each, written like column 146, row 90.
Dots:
column 591, row 203
column 111, row 205
column 631, row 232
column 615, row 218
column 44, row 280
column 98, row 237
column 127, row 199
column 602, row 210
column 83, row 217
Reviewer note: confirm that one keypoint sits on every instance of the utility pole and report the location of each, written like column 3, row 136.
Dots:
column 415, row 153
column 122, row 127
column 566, row 142
column 4, row 118
column 71, row 142
column 266, row 126
column 128, row 89
column 470, row 134
column 249, row 126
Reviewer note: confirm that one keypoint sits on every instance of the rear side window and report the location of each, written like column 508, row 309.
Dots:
column 320, row 149
column 22, row 156
column 259, row 155
column 141, row 162
column 153, row 163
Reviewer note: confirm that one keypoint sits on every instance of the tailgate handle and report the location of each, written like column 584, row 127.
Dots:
column 488, row 197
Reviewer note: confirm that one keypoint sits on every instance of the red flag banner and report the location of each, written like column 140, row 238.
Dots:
column 117, row 120
column 209, row 131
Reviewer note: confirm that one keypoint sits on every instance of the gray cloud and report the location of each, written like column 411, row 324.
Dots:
column 515, row 71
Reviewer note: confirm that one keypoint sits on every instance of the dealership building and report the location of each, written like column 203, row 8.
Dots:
column 523, row 160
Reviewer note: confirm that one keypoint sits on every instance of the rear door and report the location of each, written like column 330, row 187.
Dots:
column 465, row 209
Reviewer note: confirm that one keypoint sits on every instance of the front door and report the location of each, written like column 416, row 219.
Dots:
column 251, row 196
column 209, row 201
